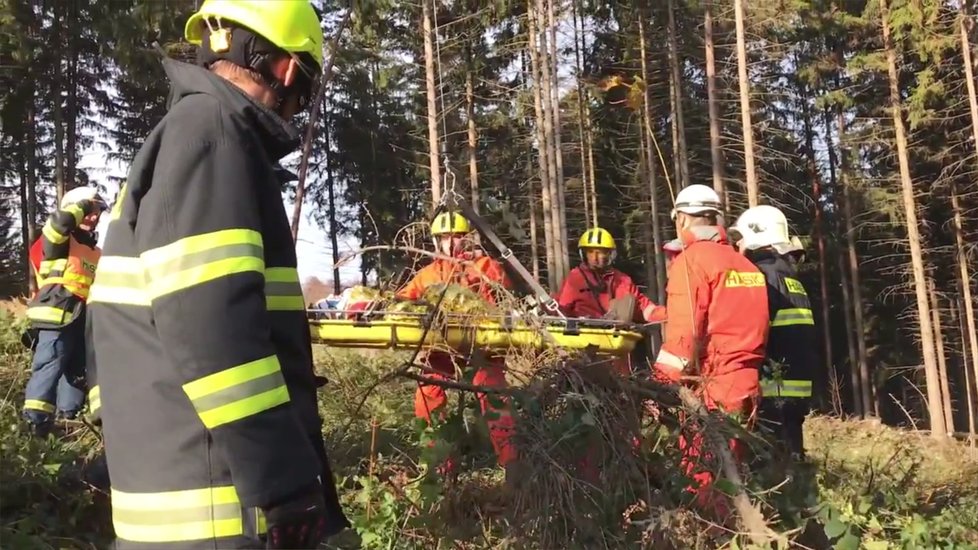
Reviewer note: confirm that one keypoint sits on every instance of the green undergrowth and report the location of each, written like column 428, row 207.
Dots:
column 868, row 486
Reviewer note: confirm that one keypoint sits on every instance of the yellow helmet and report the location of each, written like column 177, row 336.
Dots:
column 289, row 24
column 448, row 223
column 596, row 238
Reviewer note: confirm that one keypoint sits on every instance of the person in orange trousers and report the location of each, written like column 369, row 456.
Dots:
column 484, row 276
column 716, row 329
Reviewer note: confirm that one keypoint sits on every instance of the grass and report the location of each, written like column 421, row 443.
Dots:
column 871, row 486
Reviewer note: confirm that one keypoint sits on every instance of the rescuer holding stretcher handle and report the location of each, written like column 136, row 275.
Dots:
column 202, row 346
column 473, row 270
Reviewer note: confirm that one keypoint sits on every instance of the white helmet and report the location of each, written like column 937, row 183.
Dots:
column 79, row 194
column 697, row 199
column 764, row 226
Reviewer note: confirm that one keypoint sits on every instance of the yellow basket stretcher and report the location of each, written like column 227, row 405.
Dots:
column 459, row 331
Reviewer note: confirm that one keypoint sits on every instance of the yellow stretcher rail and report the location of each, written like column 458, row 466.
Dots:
column 463, row 332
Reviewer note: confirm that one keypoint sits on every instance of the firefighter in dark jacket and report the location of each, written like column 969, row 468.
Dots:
column 203, row 353
column 786, row 384
column 69, row 257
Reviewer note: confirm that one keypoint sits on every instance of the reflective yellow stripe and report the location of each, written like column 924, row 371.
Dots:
column 795, row 286
column 743, row 279
column 38, row 405
column 48, row 266
column 47, row 314
column 786, row 388
column 94, row 400
column 52, row 234
column 793, row 316
column 75, row 211
column 75, row 283
column 176, row 516
column 282, row 289
column 238, row 392
column 671, row 360
column 201, row 258
column 120, row 280
column 117, row 207
column 186, row 263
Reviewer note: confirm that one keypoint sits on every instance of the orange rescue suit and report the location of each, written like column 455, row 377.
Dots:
column 716, row 327
column 717, row 319
column 483, row 275
column 480, row 274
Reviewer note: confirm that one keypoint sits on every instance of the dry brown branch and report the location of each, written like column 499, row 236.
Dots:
column 751, row 517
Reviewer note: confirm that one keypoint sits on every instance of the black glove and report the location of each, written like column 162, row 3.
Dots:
column 299, row 522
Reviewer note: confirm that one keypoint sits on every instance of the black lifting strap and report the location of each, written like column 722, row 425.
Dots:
column 453, row 204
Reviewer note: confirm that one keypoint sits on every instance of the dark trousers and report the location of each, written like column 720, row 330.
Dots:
column 57, row 374
column 785, row 416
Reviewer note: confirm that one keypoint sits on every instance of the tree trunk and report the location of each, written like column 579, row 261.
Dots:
column 331, row 196
column 534, row 245
column 681, row 155
column 590, row 163
column 546, row 94
column 964, row 280
column 857, row 402
column 579, row 70
column 968, row 384
column 25, row 225
column 969, row 303
column 556, row 143
column 941, row 358
column 545, row 188
column 658, row 282
column 473, row 136
column 432, row 101
column 745, row 115
column 969, row 73
column 853, row 256
column 716, row 157
column 913, row 236
column 813, row 173
column 59, row 121
column 648, row 237
column 73, row 114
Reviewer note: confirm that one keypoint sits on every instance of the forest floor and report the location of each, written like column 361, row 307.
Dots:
column 865, row 485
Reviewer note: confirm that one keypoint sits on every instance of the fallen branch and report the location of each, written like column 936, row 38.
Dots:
column 750, row 516
column 454, row 385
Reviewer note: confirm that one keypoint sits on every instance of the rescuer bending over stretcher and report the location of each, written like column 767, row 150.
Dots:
column 480, row 274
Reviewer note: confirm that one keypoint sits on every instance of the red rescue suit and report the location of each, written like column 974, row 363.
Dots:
column 588, row 294
column 482, row 275
column 716, row 328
